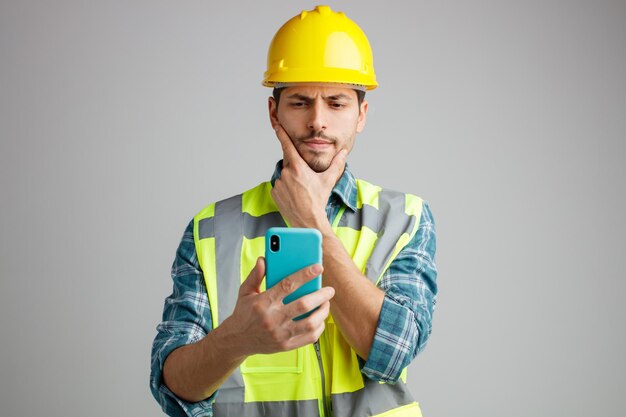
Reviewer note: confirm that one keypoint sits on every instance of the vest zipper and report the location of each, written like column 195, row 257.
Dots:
column 327, row 411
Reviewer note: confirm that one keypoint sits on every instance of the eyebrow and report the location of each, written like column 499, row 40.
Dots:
column 340, row 96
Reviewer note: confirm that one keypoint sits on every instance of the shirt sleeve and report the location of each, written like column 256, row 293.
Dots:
column 405, row 320
column 186, row 319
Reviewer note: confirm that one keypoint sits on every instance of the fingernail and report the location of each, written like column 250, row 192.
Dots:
column 316, row 269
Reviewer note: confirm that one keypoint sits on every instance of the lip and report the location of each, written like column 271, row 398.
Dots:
column 318, row 143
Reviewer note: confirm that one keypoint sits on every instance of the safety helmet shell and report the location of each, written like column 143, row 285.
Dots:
column 320, row 46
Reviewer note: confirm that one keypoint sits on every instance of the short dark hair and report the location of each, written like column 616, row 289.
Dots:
column 360, row 95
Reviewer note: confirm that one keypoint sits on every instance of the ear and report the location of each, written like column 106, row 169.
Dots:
column 272, row 107
column 362, row 117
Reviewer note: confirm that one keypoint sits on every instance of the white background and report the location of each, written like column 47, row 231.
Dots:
column 119, row 120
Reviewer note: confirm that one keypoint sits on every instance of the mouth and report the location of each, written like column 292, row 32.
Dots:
column 318, row 143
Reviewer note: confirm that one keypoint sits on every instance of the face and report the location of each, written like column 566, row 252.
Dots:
column 320, row 120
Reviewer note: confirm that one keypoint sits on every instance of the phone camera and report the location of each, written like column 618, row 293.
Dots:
column 274, row 243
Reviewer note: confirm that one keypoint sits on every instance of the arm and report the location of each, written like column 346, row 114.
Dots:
column 357, row 302
column 301, row 195
column 393, row 320
column 186, row 319
column 260, row 323
column 405, row 320
column 195, row 371
column 190, row 361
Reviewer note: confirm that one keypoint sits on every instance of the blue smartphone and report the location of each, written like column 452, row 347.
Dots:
column 289, row 249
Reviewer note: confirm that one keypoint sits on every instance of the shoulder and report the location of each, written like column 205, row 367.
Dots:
column 208, row 211
column 369, row 193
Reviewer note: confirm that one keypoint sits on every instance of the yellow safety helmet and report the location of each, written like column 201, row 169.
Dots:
column 320, row 46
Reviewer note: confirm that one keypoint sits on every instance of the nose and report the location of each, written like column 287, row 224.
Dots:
column 317, row 117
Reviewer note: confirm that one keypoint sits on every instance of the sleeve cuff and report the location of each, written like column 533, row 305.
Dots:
column 198, row 409
column 171, row 404
column 393, row 344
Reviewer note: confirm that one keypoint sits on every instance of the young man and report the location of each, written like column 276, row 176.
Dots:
column 225, row 346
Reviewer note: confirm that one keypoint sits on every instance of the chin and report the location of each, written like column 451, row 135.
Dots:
column 317, row 161
column 318, row 164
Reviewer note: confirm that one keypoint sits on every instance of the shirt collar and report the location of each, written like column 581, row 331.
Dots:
column 344, row 191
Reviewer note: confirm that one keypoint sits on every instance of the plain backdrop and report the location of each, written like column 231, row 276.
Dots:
column 119, row 120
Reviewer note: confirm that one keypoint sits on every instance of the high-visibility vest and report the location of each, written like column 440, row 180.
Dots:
column 320, row 379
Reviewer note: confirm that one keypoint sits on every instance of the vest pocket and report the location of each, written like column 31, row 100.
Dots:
column 282, row 362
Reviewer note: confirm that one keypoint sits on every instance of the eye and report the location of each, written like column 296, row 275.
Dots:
column 297, row 104
column 337, row 105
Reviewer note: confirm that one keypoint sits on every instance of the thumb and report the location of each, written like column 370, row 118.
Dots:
column 252, row 284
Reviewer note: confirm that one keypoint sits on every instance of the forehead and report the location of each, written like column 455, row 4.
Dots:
column 322, row 91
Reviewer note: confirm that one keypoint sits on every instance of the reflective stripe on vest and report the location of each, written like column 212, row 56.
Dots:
column 229, row 237
column 306, row 408
column 372, row 400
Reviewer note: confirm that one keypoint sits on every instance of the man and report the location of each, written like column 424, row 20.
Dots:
column 226, row 346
